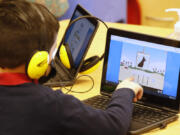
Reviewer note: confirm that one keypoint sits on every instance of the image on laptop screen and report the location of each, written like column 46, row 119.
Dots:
column 154, row 66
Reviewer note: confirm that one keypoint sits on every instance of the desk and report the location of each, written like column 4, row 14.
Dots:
column 97, row 47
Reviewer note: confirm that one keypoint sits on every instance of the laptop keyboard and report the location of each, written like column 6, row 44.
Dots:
column 148, row 115
column 141, row 114
column 98, row 102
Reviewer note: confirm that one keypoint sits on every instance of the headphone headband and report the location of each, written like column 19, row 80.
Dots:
column 79, row 18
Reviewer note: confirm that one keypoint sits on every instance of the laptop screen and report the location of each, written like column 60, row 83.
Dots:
column 154, row 65
column 79, row 36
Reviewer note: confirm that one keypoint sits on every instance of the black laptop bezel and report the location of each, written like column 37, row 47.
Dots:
column 151, row 99
column 75, row 70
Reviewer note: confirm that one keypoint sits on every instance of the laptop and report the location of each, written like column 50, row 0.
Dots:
column 154, row 62
column 78, row 37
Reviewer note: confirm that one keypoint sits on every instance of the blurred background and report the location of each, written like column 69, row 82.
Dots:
column 107, row 10
column 141, row 12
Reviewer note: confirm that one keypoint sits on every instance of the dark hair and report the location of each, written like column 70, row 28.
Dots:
column 24, row 28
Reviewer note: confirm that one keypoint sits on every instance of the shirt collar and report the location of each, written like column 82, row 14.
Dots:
column 14, row 78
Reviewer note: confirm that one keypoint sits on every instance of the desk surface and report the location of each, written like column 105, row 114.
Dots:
column 97, row 47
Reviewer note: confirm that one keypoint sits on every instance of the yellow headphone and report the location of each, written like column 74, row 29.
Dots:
column 37, row 65
column 65, row 56
column 88, row 65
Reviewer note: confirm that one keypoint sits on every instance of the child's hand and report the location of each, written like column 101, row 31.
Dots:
column 136, row 88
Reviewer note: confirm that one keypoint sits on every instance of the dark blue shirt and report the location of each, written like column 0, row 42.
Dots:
column 33, row 109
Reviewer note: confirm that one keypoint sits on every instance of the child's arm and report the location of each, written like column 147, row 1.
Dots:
column 78, row 118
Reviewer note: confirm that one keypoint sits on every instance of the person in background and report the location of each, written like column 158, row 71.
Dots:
column 28, row 30
column 57, row 7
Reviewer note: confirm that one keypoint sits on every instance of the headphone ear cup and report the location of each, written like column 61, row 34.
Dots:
column 37, row 65
column 90, row 64
column 63, row 54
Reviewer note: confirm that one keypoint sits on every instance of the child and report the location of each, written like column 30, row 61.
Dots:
column 28, row 30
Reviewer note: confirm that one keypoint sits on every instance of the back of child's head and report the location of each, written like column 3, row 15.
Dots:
column 24, row 28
